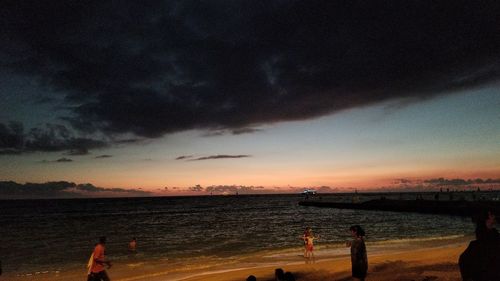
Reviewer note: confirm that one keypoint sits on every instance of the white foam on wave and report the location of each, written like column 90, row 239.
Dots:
column 419, row 239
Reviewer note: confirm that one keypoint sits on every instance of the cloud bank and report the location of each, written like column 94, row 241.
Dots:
column 434, row 184
column 46, row 138
column 212, row 157
column 155, row 68
column 61, row 189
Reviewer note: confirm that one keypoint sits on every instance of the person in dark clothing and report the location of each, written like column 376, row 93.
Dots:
column 289, row 276
column 359, row 258
column 279, row 274
column 480, row 261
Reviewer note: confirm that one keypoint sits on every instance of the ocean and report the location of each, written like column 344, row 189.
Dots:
column 55, row 235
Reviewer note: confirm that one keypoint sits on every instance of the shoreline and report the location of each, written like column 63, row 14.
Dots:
column 411, row 257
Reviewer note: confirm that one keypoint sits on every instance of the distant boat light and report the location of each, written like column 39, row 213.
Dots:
column 309, row 192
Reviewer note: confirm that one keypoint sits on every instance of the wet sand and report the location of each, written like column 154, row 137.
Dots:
column 402, row 261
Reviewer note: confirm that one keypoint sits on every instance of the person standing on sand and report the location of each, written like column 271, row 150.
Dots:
column 279, row 274
column 359, row 258
column 309, row 245
column 97, row 271
column 481, row 261
column 307, row 231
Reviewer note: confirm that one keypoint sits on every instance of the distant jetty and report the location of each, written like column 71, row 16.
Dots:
column 456, row 208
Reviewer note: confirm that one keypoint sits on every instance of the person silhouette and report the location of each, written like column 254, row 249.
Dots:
column 480, row 260
column 359, row 259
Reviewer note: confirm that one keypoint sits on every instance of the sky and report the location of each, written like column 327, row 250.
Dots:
column 270, row 95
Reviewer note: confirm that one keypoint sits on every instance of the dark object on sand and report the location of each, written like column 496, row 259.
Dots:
column 289, row 276
column 251, row 278
column 457, row 208
column 279, row 274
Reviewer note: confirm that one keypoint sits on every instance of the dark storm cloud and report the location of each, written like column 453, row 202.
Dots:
column 46, row 138
column 11, row 138
column 165, row 66
column 183, row 157
column 128, row 141
column 9, row 151
column 237, row 131
column 62, row 160
column 220, row 157
column 244, row 131
column 78, row 151
column 103, row 156
column 57, row 138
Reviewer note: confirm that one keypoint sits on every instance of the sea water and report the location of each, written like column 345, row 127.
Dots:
column 50, row 235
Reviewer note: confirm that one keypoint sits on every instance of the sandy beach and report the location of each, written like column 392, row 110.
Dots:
column 422, row 264
column 417, row 260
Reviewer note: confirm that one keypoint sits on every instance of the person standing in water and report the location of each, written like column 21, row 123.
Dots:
column 359, row 258
column 132, row 245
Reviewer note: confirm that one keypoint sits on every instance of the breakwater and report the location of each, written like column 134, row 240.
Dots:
column 456, row 208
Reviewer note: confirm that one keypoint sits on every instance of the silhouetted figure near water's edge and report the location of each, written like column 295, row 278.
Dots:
column 279, row 275
column 359, row 258
column 481, row 260
column 97, row 270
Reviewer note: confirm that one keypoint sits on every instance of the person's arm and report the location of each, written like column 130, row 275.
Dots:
column 103, row 262
column 99, row 257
